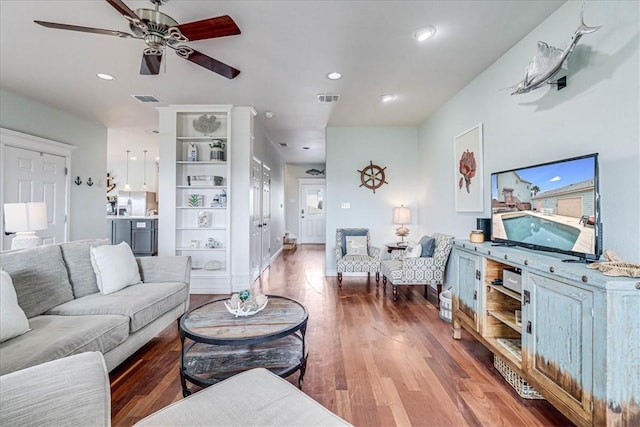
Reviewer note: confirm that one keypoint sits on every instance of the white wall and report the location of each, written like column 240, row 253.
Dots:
column 350, row 149
column 88, row 209
column 264, row 150
column 292, row 193
column 597, row 112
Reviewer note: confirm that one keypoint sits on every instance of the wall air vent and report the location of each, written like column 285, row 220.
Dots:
column 328, row 97
column 145, row 98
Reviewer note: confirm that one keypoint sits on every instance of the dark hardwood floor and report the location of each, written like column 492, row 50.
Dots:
column 371, row 361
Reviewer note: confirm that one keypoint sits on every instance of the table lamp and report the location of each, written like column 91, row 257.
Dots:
column 402, row 216
column 25, row 219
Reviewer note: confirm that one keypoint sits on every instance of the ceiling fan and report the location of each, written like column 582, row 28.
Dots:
column 159, row 30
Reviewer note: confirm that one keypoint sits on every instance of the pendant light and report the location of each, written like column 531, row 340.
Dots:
column 144, row 184
column 127, row 187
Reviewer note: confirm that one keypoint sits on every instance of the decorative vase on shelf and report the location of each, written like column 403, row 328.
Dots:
column 192, row 152
column 216, row 150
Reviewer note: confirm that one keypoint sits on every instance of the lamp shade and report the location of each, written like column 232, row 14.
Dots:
column 21, row 217
column 401, row 215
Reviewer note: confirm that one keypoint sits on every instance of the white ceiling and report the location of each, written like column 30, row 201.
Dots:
column 284, row 53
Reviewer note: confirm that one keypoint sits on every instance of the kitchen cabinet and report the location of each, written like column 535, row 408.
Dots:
column 466, row 288
column 139, row 233
column 571, row 332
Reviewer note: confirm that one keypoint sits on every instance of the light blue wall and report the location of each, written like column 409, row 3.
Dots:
column 598, row 111
column 88, row 204
column 350, row 149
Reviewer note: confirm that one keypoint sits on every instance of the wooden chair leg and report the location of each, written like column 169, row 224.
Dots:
column 384, row 279
column 377, row 277
column 339, row 280
column 395, row 293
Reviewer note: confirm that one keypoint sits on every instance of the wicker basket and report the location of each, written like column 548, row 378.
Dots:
column 445, row 306
column 521, row 387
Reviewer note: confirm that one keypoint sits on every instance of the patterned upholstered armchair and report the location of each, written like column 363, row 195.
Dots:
column 423, row 270
column 366, row 260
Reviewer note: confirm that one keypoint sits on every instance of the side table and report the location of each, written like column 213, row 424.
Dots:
column 395, row 246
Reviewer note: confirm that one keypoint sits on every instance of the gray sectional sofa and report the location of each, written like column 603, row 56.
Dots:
column 56, row 288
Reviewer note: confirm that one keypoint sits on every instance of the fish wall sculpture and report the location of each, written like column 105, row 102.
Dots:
column 315, row 172
column 549, row 60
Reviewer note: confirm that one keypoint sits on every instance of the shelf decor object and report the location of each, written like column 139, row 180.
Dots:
column 195, row 200
column 206, row 124
column 204, row 219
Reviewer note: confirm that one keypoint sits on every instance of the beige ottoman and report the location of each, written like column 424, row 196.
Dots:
column 252, row 398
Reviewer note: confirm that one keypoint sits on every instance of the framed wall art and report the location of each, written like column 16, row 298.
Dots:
column 469, row 186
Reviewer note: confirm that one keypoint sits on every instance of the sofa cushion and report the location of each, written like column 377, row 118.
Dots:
column 78, row 260
column 39, row 276
column 54, row 337
column 115, row 267
column 351, row 232
column 357, row 245
column 142, row 303
column 414, row 250
column 428, row 246
column 13, row 321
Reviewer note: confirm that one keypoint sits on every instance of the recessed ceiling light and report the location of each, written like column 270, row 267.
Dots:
column 387, row 98
column 305, row 148
column 268, row 114
column 104, row 76
column 334, row 76
column 133, row 158
column 424, row 33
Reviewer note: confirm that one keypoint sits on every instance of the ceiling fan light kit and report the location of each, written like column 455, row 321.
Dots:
column 159, row 31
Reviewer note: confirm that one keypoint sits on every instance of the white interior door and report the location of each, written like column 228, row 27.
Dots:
column 266, row 217
column 312, row 217
column 32, row 176
column 256, row 218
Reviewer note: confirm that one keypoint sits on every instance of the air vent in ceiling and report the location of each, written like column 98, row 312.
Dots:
column 146, row 98
column 328, row 97
column 283, row 144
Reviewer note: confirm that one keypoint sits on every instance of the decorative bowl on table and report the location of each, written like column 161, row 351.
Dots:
column 246, row 303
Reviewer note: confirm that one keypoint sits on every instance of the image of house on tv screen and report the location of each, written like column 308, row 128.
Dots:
column 551, row 205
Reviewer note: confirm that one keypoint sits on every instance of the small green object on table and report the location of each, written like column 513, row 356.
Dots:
column 244, row 295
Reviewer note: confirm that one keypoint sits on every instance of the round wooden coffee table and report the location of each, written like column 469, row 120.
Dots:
column 217, row 345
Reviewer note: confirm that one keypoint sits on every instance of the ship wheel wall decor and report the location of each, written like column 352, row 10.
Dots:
column 372, row 176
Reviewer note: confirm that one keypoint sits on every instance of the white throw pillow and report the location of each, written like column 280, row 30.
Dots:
column 115, row 267
column 13, row 321
column 356, row 245
column 413, row 250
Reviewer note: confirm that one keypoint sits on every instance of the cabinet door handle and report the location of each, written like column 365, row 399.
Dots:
column 529, row 327
column 478, row 275
column 475, row 295
column 527, row 298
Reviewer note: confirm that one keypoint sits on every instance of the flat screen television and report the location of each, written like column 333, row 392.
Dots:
column 552, row 206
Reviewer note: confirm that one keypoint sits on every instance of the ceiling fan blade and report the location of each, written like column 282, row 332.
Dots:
column 150, row 64
column 220, row 26
column 212, row 64
column 123, row 9
column 84, row 29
